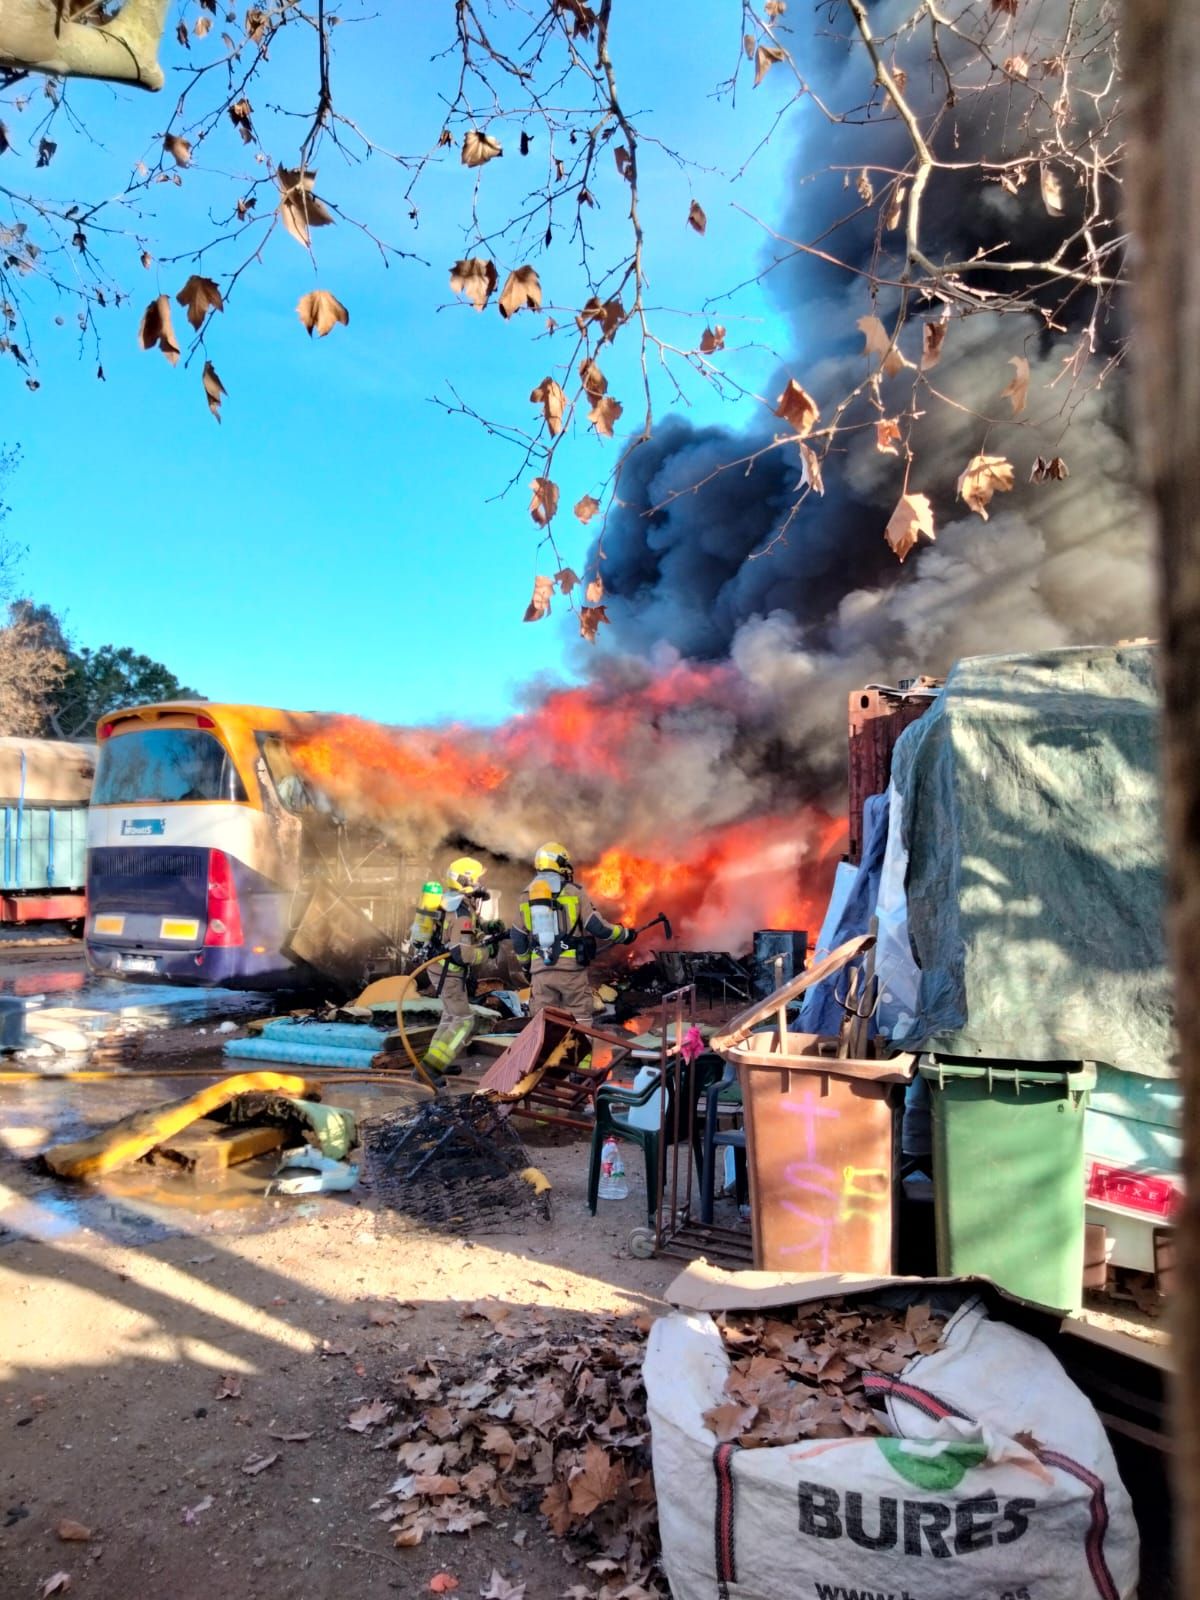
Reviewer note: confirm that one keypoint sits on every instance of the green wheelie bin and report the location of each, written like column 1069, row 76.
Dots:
column 1008, row 1173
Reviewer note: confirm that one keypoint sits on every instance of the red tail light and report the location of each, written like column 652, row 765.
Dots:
column 223, row 911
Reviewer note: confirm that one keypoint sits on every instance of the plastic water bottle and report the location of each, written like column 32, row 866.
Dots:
column 612, row 1172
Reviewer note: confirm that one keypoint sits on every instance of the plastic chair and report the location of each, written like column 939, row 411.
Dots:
column 719, row 1101
column 612, row 1100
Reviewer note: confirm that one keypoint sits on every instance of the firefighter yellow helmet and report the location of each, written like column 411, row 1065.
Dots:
column 465, row 874
column 552, row 858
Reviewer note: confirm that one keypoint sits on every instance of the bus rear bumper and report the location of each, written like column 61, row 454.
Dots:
column 217, row 966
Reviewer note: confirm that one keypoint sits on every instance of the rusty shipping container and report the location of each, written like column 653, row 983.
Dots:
column 878, row 715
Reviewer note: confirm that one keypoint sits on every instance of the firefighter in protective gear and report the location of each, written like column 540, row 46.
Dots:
column 453, row 974
column 558, row 932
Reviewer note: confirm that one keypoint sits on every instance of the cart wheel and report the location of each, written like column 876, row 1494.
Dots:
column 641, row 1243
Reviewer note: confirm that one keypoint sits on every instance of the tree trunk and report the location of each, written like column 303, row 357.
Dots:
column 1162, row 187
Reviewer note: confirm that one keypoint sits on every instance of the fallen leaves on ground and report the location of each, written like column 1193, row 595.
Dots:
column 189, row 1514
column 443, row 1583
column 71, row 1532
column 200, row 296
column 1018, row 389
column 797, row 407
column 912, row 517
column 983, row 477
column 475, row 279
column 802, row 1377
column 229, row 1388
column 522, row 291
column 321, row 310
column 369, row 1416
column 253, row 1465
column 57, row 1583
column 155, row 329
column 550, row 1419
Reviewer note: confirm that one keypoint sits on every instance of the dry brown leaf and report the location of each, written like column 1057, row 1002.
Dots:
column 544, row 503
column 586, row 507
column 443, row 1583
column 594, row 382
column 1008, row 7
column 596, row 1481
column 775, row 8
column 1052, row 195
column 895, row 211
column 566, row 579
column 887, row 434
column 435, row 1484
column 603, row 414
column 214, row 389
column 201, row 27
column 590, row 618
column 475, row 279
column 368, row 1416
column 866, row 189
column 522, row 292
column 624, row 161
column 239, row 115
column 1018, row 388
column 933, row 337
column 499, row 1588
column 155, row 329
column 1016, row 67
column 556, row 1509
column 712, row 339
column 200, row 296
column 798, row 408
column 497, row 1441
column 478, row 148
column 300, row 210
column 72, row 1532
column 57, row 1583
column 147, row 260
column 696, row 217
column 549, row 395
column 594, row 592
column 729, row 1420
column 879, row 343
column 811, row 469
column 900, row 79
column 253, row 1465
column 610, row 314
column 912, row 517
column 983, row 477
column 765, row 57
column 441, row 1422
column 321, row 310
column 1054, row 469
column 178, row 149
column 229, row 1388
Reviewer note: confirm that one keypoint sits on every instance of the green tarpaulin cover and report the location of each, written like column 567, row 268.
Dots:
column 1031, row 812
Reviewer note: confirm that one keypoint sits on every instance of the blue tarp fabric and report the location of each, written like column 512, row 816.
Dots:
column 820, row 1012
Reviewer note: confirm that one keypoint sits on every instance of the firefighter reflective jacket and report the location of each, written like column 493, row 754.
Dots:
column 558, row 924
column 460, row 933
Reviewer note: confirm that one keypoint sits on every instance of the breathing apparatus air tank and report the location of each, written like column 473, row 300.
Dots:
column 543, row 921
column 427, row 923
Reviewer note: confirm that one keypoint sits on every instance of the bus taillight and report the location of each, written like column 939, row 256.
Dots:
column 223, row 911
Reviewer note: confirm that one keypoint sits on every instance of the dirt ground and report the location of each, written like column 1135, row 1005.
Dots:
column 122, row 1314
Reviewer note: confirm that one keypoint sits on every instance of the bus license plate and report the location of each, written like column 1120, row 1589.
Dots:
column 137, row 964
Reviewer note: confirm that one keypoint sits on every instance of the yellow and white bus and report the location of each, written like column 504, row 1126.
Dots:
column 211, row 861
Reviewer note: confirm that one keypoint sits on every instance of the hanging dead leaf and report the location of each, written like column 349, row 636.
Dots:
column 253, row 1465
column 933, row 337
column 590, row 618
column 147, row 260
column 895, row 211
column 887, row 433
column 696, row 217
column 522, row 292
column 596, row 1481
column 155, row 329
column 566, row 579
column 214, row 389
column 72, row 1532
column 775, row 9
column 201, row 27
column 321, row 310
column 499, row 1588
column 866, row 189
column 879, row 343
column 300, row 210
column 798, row 408
column 594, row 382
column 1054, row 469
column 603, row 414
column 624, row 161
column 478, row 148
column 1016, row 67
column 538, row 607
column 45, row 152
column 594, row 592
column 912, row 517
column 983, row 477
column 549, row 395
column 586, row 507
column 57, row 1583
column 239, row 115
column 545, row 500
column 900, row 79
column 475, row 279
column 200, row 296
column 368, row 1416
column 765, row 57
column 610, row 314
column 178, row 149
column 712, row 339
column 1052, row 195
column 229, row 1388
column 583, row 18
column 1018, row 389
column 811, row 474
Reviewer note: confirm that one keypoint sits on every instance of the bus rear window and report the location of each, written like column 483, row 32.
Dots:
column 156, row 766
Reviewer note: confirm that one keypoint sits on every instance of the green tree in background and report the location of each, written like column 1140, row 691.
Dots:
column 101, row 680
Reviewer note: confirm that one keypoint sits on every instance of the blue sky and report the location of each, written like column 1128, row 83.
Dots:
column 337, row 542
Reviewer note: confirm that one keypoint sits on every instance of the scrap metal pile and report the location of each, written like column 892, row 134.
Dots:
column 544, row 1421
column 456, row 1165
column 803, row 1379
